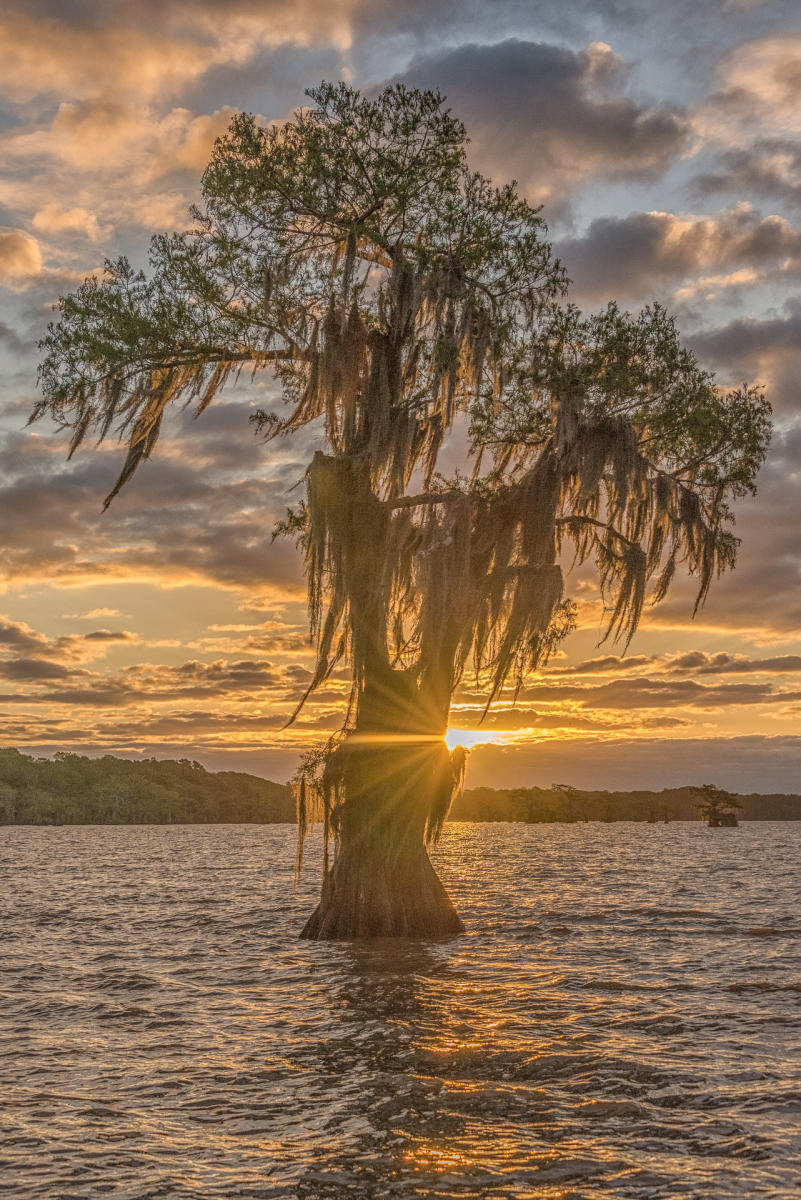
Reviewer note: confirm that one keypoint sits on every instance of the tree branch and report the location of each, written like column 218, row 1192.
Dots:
column 424, row 498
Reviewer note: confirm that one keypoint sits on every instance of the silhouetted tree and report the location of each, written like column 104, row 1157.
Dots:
column 393, row 292
column 717, row 806
column 571, row 801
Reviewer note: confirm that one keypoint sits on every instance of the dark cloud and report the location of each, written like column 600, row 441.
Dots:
column 108, row 635
column 20, row 638
column 520, row 717
column 769, row 167
column 193, row 723
column 204, row 507
column 34, row 669
column 10, row 339
column 671, row 28
column 646, row 692
column 639, row 255
column 609, row 663
column 151, row 683
column 552, row 117
column 102, row 693
column 694, row 662
column 728, row 664
column 747, row 342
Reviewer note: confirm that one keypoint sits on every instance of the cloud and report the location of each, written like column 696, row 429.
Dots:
column 201, row 510
column 149, row 51
column 604, row 665
column 764, row 167
column 109, row 635
column 729, row 664
column 20, row 257
column 112, row 137
column 19, row 639
column 36, row 669
column 237, row 695
column 760, row 89
column 694, row 662
column 551, row 116
column 10, row 339
column 761, row 349
column 197, row 139
column 536, row 721
column 44, row 55
column 642, row 253
column 54, row 218
column 752, row 120
column 645, row 692
column 93, row 615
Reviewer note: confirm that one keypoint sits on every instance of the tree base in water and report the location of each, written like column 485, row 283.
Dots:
column 366, row 898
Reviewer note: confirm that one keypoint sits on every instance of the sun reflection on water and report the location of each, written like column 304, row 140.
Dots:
column 610, row 1024
column 431, row 1157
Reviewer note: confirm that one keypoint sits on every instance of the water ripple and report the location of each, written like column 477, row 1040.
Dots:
column 620, row 1020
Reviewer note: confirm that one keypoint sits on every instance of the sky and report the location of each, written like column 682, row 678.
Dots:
column 663, row 142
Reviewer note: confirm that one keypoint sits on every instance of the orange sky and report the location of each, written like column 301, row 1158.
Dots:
column 667, row 155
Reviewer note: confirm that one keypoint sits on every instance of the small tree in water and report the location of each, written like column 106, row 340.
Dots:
column 393, row 292
column 716, row 806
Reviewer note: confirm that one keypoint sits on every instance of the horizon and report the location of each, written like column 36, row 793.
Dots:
column 634, row 784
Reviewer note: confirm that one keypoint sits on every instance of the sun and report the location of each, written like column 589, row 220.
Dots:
column 474, row 737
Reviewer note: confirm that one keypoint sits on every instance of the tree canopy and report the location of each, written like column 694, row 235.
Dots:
column 390, row 288
column 715, row 804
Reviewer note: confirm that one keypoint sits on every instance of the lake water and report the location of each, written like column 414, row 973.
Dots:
column 620, row 1020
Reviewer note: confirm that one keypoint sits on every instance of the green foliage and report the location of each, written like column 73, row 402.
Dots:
column 72, row 790
column 714, row 803
column 569, row 804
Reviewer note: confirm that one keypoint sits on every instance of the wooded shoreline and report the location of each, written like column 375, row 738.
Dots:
column 75, row 790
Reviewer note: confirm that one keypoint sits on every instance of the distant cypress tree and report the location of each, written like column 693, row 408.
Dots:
column 716, row 806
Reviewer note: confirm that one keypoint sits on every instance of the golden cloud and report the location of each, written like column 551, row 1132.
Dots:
column 20, row 257
column 43, row 56
column 54, row 218
column 760, row 91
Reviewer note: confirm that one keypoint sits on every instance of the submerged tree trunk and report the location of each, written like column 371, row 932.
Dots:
column 380, row 891
column 396, row 781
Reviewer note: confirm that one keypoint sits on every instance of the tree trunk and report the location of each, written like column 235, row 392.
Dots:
column 393, row 773
column 370, row 894
column 397, row 783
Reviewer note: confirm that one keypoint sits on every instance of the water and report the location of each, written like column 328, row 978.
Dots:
column 621, row 1019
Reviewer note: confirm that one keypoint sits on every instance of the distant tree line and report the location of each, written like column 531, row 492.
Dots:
column 71, row 789
column 565, row 803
